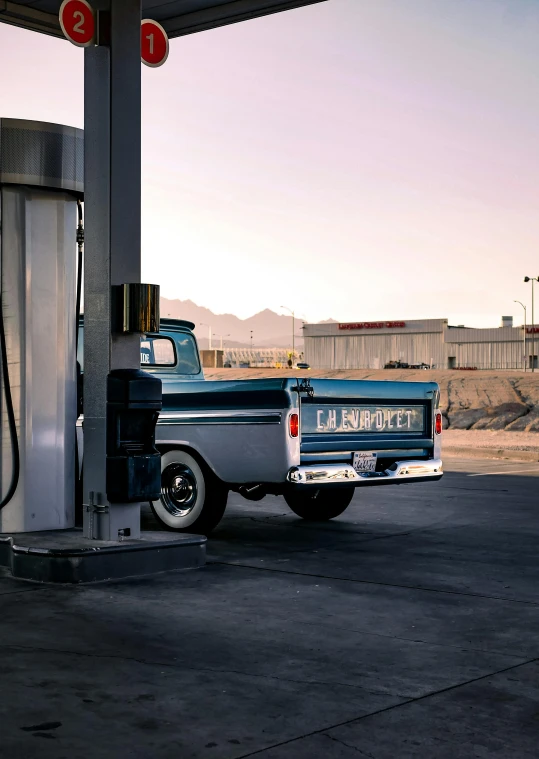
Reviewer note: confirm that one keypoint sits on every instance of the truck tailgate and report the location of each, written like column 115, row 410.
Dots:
column 345, row 416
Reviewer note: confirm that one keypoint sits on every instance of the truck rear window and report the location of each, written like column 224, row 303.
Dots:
column 188, row 361
column 157, row 351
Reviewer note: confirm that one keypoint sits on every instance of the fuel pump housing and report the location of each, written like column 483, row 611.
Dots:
column 41, row 179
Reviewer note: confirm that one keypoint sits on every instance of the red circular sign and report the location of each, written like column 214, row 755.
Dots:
column 153, row 43
column 78, row 22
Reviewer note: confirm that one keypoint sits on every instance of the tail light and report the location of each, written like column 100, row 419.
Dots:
column 294, row 425
column 438, row 423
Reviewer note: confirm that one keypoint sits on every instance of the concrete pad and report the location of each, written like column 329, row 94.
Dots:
column 123, row 707
column 9, row 585
column 314, row 746
column 495, row 717
column 426, row 536
column 432, row 560
column 310, row 632
column 264, row 652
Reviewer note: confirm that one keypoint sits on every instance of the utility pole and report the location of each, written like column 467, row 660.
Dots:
column 221, row 338
column 203, row 324
column 532, row 280
column 293, row 330
column 524, row 337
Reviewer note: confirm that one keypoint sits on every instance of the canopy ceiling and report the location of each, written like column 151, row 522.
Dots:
column 178, row 17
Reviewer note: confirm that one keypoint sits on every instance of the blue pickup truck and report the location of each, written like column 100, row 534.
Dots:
column 313, row 441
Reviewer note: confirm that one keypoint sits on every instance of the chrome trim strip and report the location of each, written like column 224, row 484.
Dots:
column 171, row 418
column 345, row 473
column 216, row 413
column 219, row 417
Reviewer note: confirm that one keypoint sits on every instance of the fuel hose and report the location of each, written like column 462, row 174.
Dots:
column 10, row 414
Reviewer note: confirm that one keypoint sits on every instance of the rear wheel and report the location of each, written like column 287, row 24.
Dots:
column 320, row 505
column 192, row 499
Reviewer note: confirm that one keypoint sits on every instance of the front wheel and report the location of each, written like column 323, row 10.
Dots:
column 320, row 505
column 192, row 499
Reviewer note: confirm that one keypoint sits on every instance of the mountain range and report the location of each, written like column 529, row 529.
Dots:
column 267, row 329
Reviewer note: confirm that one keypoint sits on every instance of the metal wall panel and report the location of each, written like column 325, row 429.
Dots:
column 374, row 351
column 493, row 355
column 493, row 335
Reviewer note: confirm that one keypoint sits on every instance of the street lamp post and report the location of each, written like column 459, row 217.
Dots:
column 203, row 324
column 293, row 331
column 532, row 280
column 221, row 338
column 524, row 338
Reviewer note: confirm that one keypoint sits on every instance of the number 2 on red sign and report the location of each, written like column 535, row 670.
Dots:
column 79, row 26
column 78, row 22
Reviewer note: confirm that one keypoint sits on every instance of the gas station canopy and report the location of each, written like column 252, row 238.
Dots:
column 178, row 17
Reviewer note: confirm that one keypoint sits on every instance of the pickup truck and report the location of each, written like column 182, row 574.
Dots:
column 313, row 441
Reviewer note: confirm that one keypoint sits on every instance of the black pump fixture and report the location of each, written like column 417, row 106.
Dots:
column 133, row 461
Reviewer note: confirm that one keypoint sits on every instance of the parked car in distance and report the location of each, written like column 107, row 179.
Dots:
column 302, row 365
column 396, row 365
column 403, row 365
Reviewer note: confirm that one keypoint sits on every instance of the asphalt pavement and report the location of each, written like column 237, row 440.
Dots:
column 405, row 628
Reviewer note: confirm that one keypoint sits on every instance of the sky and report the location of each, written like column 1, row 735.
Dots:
column 355, row 159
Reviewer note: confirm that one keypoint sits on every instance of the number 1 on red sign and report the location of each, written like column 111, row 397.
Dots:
column 153, row 43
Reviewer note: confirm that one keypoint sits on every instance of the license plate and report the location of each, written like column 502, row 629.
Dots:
column 364, row 461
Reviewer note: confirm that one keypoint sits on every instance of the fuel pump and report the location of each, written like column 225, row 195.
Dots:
column 41, row 185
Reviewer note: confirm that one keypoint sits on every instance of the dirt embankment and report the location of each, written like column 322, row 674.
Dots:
column 487, row 400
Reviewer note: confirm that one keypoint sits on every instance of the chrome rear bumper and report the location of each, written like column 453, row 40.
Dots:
column 344, row 474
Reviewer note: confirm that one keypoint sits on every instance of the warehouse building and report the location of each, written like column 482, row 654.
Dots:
column 428, row 342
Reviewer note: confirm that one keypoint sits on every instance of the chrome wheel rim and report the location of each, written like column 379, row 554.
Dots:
column 179, row 490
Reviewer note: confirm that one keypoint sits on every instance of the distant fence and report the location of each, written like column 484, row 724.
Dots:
column 256, row 357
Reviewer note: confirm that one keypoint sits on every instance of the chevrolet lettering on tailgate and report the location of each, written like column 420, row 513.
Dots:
column 362, row 419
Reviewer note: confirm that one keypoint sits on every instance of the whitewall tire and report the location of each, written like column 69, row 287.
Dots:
column 192, row 499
